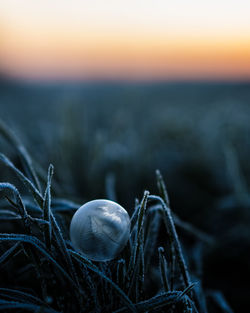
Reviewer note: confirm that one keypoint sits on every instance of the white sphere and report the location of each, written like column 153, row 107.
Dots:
column 100, row 229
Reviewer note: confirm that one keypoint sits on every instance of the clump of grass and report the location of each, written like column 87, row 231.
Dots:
column 41, row 272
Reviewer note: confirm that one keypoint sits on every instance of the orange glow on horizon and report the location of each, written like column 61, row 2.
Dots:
column 115, row 58
column 51, row 51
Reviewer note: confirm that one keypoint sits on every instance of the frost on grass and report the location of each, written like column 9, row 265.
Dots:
column 41, row 271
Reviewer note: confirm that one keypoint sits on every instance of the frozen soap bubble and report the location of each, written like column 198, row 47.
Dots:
column 100, row 229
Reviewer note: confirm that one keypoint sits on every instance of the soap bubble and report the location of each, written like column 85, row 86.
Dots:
column 100, row 229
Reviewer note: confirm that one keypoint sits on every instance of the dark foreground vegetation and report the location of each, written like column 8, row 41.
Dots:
column 105, row 141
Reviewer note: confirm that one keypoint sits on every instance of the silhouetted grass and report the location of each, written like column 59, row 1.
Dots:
column 41, row 272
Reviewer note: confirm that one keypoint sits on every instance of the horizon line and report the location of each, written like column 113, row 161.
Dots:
column 121, row 80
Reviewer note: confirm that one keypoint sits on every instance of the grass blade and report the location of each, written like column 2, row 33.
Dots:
column 163, row 269
column 169, row 223
column 23, row 154
column 7, row 255
column 29, row 185
column 164, row 300
column 7, row 305
column 46, row 209
column 39, row 246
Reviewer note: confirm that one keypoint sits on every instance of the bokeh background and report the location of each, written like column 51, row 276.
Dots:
column 109, row 91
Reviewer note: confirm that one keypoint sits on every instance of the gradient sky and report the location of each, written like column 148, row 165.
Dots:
column 132, row 39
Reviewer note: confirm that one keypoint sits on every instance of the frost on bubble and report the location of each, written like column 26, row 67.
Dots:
column 100, row 229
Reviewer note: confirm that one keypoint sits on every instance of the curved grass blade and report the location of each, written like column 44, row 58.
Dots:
column 7, row 189
column 8, row 305
column 29, row 185
column 36, row 243
column 11, row 138
column 18, row 295
column 6, row 212
column 165, row 300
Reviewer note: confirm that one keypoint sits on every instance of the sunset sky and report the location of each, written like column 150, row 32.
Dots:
column 132, row 39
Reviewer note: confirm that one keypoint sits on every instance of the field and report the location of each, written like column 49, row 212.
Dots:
column 106, row 140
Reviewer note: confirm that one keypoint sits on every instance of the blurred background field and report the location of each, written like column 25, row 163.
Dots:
column 131, row 129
